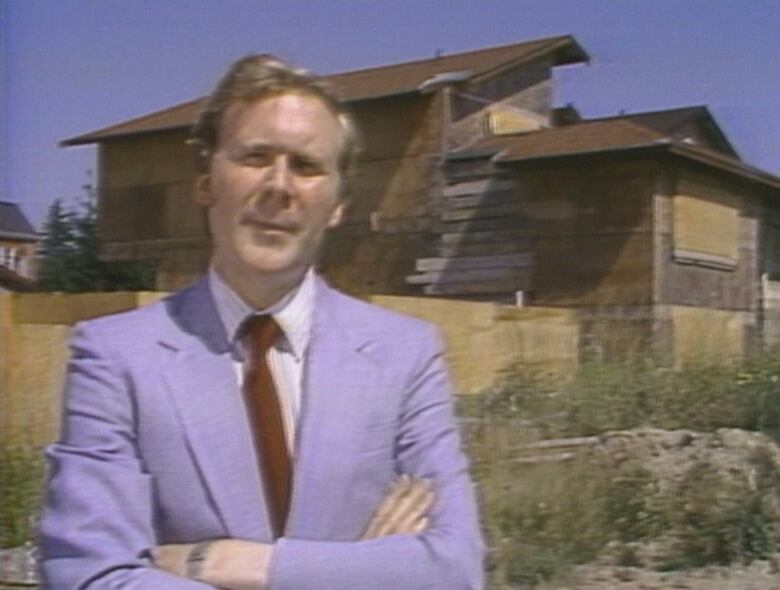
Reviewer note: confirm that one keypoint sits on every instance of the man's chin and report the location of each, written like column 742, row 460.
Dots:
column 270, row 261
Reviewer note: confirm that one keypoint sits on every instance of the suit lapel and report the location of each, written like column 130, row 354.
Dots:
column 338, row 384
column 203, row 384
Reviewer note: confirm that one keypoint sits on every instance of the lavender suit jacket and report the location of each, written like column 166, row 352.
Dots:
column 156, row 449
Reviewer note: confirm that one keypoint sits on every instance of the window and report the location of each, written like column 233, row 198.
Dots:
column 706, row 227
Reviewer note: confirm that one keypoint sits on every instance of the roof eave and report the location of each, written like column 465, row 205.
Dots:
column 566, row 51
column 569, row 52
column 736, row 167
column 504, row 159
column 101, row 137
column 97, row 137
column 15, row 235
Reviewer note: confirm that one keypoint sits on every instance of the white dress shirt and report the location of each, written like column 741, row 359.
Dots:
column 286, row 359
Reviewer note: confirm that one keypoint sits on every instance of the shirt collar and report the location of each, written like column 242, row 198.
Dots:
column 293, row 312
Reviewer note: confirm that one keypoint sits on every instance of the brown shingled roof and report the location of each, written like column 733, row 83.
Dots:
column 618, row 132
column 669, row 121
column 614, row 135
column 587, row 136
column 369, row 83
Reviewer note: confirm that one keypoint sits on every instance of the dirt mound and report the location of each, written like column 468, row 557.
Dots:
column 714, row 498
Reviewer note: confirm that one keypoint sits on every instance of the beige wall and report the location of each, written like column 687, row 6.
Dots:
column 711, row 335
column 483, row 340
column 34, row 332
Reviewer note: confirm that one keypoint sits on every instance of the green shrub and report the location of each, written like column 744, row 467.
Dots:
column 606, row 396
column 541, row 519
column 21, row 480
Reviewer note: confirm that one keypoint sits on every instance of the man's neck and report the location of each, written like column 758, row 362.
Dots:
column 261, row 291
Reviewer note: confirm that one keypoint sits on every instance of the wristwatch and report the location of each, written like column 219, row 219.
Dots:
column 195, row 558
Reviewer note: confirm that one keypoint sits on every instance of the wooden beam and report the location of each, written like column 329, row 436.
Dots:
column 514, row 246
column 469, row 262
column 489, row 198
column 477, row 288
column 482, row 212
column 445, row 276
column 482, row 236
column 474, row 225
column 478, row 186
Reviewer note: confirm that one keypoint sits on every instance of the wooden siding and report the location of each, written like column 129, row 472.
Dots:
column 145, row 204
column 592, row 232
column 391, row 193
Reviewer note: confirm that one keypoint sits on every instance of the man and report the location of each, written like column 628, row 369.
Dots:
column 170, row 474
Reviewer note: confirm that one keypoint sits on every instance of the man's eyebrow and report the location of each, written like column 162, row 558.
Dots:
column 251, row 146
column 254, row 145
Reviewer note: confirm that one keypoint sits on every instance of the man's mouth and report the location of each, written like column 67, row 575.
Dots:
column 270, row 226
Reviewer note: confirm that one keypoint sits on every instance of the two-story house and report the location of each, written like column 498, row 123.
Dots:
column 471, row 184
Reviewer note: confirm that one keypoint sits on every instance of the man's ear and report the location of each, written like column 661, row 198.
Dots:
column 337, row 215
column 202, row 194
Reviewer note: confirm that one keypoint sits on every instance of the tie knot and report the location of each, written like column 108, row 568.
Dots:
column 262, row 331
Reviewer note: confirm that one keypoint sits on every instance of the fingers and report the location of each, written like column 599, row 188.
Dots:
column 386, row 509
column 404, row 510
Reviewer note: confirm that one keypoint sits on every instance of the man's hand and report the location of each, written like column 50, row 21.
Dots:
column 172, row 558
column 230, row 564
column 404, row 510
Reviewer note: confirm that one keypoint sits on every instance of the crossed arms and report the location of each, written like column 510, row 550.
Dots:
column 234, row 564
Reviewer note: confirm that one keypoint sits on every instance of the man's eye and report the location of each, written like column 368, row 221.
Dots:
column 307, row 167
column 256, row 159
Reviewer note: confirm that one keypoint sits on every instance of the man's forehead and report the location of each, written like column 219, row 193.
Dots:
column 296, row 106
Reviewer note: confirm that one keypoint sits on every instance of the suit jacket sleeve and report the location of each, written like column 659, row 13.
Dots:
column 449, row 555
column 97, row 522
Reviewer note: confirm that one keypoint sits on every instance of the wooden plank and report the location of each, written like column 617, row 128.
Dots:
column 482, row 236
column 483, row 249
column 491, row 224
column 478, row 186
column 482, row 212
column 463, row 250
column 478, row 288
column 489, row 198
column 440, row 277
column 435, row 264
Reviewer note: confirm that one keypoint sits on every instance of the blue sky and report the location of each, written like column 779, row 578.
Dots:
column 70, row 66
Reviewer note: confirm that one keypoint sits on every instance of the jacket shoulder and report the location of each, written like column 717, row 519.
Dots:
column 144, row 320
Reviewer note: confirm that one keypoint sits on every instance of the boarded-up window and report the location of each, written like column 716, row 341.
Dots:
column 706, row 226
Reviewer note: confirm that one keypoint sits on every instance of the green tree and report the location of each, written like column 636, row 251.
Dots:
column 70, row 248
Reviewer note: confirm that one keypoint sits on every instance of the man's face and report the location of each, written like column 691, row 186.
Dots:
column 272, row 189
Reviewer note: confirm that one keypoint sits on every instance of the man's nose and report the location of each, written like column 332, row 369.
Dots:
column 279, row 181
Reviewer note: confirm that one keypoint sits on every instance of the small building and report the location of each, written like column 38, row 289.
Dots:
column 18, row 247
column 471, row 184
